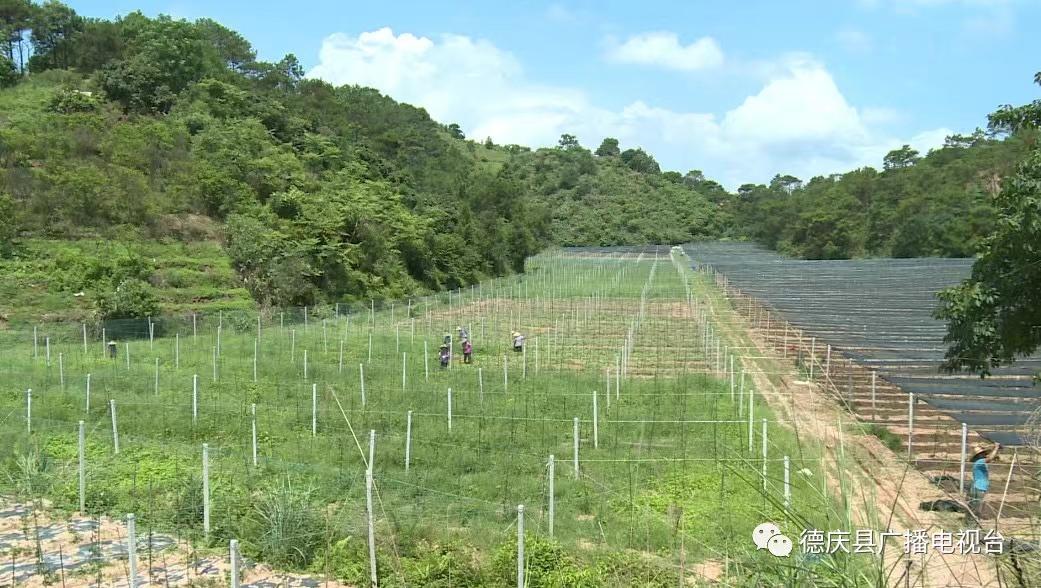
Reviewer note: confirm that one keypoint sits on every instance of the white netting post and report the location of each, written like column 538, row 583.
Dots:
column 206, row 488
column 575, row 437
column 115, row 430
column 408, row 440
column 82, row 468
column 552, row 498
column 132, row 549
column 361, row 378
column 233, row 556
column 372, row 531
column 253, row 427
column 520, row 546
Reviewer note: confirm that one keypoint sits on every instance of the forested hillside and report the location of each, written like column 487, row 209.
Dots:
column 140, row 129
column 941, row 204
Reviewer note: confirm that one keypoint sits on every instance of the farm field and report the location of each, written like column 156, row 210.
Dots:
column 638, row 452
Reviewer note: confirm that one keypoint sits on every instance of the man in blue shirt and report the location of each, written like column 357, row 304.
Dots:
column 980, row 478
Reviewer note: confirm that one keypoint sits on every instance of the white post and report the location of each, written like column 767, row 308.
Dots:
column 115, row 431
column 751, row 415
column 964, row 440
column 195, row 399
column 370, row 348
column 732, row 375
column 741, row 395
column 253, row 426
column 214, row 364
column 449, row 409
column 910, row 425
column 575, row 435
column 84, row 325
column 233, row 554
column 813, row 355
column 177, row 350
column 61, row 370
column 787, row 483
column 132, row 549
column 340, row 368
column 372, row 448
column 195, row 330
column 552, row 500
column 505, row 375
column 87, row 408
column 314, row 410
column 305, row 365
column 127, row 346
column 151, row 334
column 404, row 359
column 29, row 411
column 827, row 364
column 372, row 532
column 361, row 377
column 157, row 376
column 83, row 468
column 480, row 384
column 596, row 428
column 520, row 546
column 47, row 343
column 206, row 488
column 874, row 406
column 764, row 454
column 408, row 440
column 256, row 350
column 426, row 363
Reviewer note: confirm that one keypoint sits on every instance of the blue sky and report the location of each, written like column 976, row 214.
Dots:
column 741, row 90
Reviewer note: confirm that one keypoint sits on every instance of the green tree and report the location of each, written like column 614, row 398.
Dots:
column 568, row 142
column 901, row 158
column 994, row 316
column 54, row 27
column 131, row 298
column 608, row 148
column 640, row 161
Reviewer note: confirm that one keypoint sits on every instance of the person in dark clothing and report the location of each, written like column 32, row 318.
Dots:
column 444, row 356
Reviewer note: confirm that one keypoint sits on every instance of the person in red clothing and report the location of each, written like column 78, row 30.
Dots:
column 468, row 350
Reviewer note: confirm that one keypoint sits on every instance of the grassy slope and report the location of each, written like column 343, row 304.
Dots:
column 188, row 277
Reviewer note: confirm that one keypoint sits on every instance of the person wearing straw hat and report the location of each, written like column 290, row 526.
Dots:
column 518, row 342
column 981, row 456
column 445, row 356
column 112, row 349
column 463, row 334
column 468, row 351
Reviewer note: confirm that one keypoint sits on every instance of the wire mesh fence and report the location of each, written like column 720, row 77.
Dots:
column 329, row 438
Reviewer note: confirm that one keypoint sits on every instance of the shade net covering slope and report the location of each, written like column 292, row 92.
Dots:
column 879, row 312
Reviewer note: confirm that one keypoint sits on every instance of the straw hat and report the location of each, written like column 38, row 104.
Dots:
column 516, row 334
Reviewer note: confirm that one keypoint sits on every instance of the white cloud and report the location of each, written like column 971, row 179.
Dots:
column 663, row 49
column 799, row 122
column 854, row 41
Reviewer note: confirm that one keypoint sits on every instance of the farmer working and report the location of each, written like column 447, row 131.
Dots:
column 445, row 356
column 518, row 342
column 980, row 477
column 468, row 351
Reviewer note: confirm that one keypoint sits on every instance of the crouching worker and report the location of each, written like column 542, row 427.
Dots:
column 444, row 356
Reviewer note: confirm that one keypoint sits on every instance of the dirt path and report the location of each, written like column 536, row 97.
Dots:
column 884, row 489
